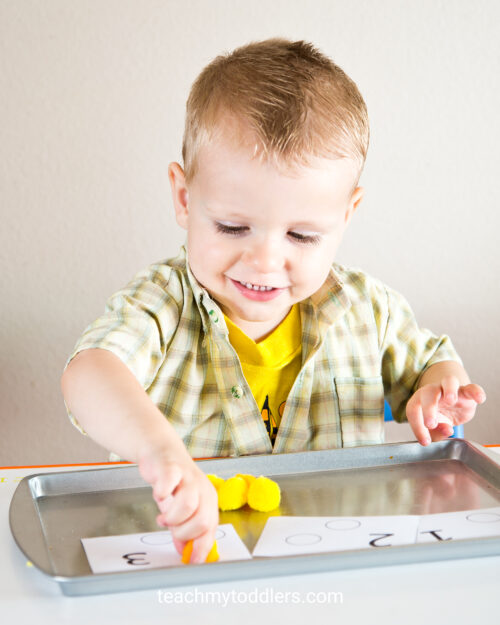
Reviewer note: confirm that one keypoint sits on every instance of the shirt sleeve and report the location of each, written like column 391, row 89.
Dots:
column 407, row 351
column 137, row 326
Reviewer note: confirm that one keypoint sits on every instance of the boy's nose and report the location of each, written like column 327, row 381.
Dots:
column 264, row 256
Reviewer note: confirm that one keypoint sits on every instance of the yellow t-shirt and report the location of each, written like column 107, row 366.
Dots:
column 270, row 365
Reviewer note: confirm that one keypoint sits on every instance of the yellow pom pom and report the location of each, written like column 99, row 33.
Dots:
column 213, row 554
column 216, row 480
column 264, row 494
column 233, row 493
column 247, row 477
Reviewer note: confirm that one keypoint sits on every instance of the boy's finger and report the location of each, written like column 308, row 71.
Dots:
column 416, row 421
column 179, row 544
column 204, row 521
column 167, row 482
column 430, row 398
column 450, row 385
column 161, row 521
column 443, row 430
column 473, row 391
column 201, row 547
column 164, row 504
column 182, row 507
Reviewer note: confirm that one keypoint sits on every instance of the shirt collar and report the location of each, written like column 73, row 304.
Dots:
column 210, row 312
column 331, row 300
column 320, row 311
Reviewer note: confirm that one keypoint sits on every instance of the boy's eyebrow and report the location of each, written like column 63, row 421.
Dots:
column 213, row 209
column 223, row 215
column 307, row 225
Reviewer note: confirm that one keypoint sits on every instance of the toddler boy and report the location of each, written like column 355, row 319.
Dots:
column 252, row 340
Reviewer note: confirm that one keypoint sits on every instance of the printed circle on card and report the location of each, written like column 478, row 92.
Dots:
column 157, row 538
column 343, row 524
column 303, row 539
column 483, row 517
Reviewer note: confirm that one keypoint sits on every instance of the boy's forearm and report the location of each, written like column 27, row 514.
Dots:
column 113, row 408
column 435, row 373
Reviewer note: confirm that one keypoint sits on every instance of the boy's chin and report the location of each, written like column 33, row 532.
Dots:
column 257, row 313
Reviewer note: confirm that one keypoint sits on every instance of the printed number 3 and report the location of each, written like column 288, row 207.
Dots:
column 135, row 561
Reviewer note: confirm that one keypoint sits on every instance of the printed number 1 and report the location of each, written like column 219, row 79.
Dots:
column 435, row 534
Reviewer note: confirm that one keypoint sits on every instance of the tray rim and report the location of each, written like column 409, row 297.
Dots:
column 262, row 566
column 434, row 451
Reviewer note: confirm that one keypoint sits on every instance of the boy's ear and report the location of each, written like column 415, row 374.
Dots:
column 356, row 197
column 179, row 193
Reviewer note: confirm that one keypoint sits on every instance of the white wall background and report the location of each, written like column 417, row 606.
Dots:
column 92, row 96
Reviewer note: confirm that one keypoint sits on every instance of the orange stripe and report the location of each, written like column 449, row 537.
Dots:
column 48, row 466
column 82, row 464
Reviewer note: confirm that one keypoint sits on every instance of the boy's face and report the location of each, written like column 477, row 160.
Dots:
column 249, row 224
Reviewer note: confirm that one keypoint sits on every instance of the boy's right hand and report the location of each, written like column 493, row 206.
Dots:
column 186, row 499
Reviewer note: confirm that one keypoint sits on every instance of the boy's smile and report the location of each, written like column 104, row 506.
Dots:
column 260, row 240
column 256, row 292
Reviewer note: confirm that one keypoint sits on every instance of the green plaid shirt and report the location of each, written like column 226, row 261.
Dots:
column 360, row 343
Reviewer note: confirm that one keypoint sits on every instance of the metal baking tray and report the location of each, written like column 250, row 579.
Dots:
column 50, row 512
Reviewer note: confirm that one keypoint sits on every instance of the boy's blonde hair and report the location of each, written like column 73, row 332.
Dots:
column 295, row 101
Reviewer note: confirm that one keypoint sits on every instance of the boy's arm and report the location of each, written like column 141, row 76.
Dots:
column 113, row 408
column 444, row 398
column 424, row 379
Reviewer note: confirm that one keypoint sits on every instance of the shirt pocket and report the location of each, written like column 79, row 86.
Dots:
column 361, row 410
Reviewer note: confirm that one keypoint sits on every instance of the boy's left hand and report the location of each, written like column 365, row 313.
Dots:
column 434, row 409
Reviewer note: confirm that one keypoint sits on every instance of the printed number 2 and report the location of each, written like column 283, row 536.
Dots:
column 135, row 561
column 380, row 537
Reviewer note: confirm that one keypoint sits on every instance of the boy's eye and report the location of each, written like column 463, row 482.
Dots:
column 230, row 229
column 313, row 239
column 240, row 230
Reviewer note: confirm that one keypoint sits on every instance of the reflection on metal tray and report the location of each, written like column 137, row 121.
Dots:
column 50, row 512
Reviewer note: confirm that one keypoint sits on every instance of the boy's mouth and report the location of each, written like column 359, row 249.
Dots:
column 256, row 287
column 256, row 292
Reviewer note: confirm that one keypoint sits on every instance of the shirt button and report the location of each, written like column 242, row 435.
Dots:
column 237, row 392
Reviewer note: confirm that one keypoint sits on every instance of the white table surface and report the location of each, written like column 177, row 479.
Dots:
column 454, row 591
